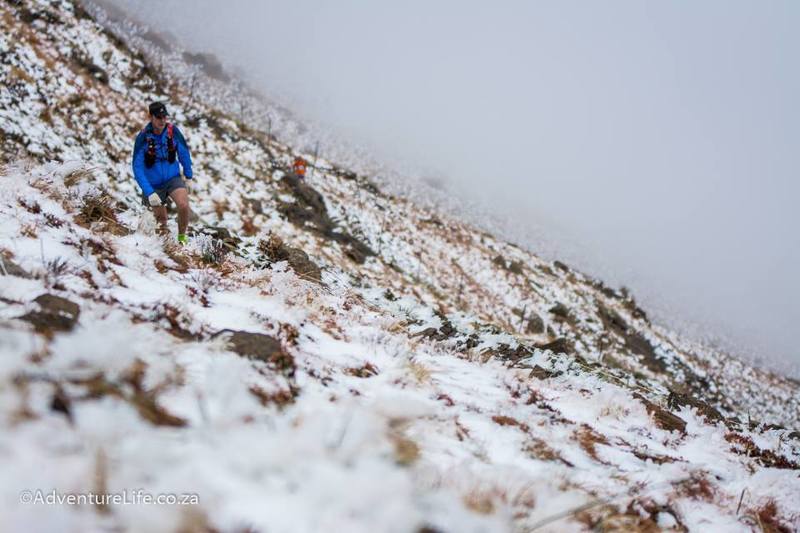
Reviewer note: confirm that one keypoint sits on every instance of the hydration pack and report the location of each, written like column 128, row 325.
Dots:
column 150, row 155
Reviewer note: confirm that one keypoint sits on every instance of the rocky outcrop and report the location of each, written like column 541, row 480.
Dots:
column 274, row 250
column 308, row 211
column 54, row 314
column 260, row 347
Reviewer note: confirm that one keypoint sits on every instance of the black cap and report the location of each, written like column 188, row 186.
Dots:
column 158, row 109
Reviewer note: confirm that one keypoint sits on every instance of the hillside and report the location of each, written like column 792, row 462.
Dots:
column 325, row 355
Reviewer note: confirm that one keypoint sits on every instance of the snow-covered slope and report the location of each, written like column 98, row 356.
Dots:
column 324, row 355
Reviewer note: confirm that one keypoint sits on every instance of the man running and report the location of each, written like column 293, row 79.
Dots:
column 159, row 148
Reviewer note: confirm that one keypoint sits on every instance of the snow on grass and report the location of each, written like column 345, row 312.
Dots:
column 405, row 405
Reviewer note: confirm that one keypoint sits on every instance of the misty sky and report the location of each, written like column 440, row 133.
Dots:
column 661, row 137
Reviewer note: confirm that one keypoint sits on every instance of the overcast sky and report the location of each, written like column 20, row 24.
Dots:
column 662, row 137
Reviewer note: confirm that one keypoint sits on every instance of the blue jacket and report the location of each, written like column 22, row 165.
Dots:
column 162, row 171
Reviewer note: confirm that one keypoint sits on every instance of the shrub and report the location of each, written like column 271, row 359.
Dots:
column 212, row 251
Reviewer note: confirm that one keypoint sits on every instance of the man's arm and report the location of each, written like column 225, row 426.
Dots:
column 183, row 154
column 137, row 163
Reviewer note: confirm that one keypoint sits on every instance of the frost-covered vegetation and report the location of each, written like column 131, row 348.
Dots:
column 324, row 355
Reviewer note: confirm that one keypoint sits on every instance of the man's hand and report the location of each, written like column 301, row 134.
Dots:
column 191, row 186
column 155, row 201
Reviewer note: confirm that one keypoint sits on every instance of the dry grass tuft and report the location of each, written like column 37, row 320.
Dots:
column 406, row 451
column 768, row 519
column 486, row 500
column 479, row 502
column 220, row 208
column 78, row 175
column 280, row 398
column 249, row 227
column 509, row 421
column 175, row 253
column 697, row 487
column 539, row 449
column 745, row 446
column 420, row 372
column 30, row 231
column 368, row 370
column 174, row 320
column 99, row 209
column 630, row 519
column 588, row 438
column 30, row 206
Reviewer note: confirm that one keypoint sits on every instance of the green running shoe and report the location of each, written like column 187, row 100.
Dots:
column 182, row 238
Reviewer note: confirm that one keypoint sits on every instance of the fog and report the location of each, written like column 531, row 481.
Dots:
column 660, row 139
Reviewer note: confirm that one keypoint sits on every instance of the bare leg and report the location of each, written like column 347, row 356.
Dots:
column 160, row 213
column 181, row 199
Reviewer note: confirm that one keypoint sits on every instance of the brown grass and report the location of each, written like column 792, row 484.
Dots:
column 769, row 520
column 479, row 502
column 220, row 208
column 509, row 421
column 697, row 487
column 280, row 398
column 30, row 207
column 100, row 210
column 486, row 499
column 174, row 320
column 174, row 252
column 539, row 449
column 406, row 451
column 29, row 230
column 19, row 73
column 76, row 176
column 365, row 371
column 588, row 439
column 627, row 520
column 745, row 446
column 249, row 227
column 129, row 389
column 420, row 372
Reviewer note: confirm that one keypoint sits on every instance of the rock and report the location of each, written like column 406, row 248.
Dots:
column 676, row 400
column 560, row 310
column 535, row 325
column 542, row 373
column 61, row 403
column 633, row 340
column 561, row 266
column 515, row 267
column 221, row 234
column 260, row 347
column 612, row 321
column 209, row 63
column 638, row 344
column 560, row 345
column 255, row 205
column 309, row 212
column 55, row 314
column 356, row 250
column 274, row 250
column 10, row 268
column 662, row 418
column 302, row 265
column 507, row 353
column 444, row 332
column 389, row 295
